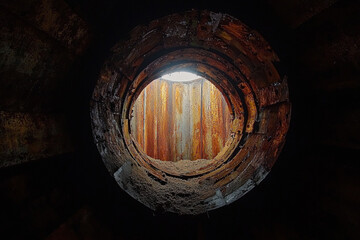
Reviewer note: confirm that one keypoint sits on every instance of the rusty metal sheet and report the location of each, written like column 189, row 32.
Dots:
column 163, row 128
column 138, row 120
column 150, row 120
column 206, row 121
column 196, row 116
column 174, row 121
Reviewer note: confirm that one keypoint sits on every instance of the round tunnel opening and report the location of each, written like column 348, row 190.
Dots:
column 180, row 116
column 240, row 63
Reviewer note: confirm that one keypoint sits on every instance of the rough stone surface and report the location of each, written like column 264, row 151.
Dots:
column 55, row 18
column 26, row 137
column 39, row 42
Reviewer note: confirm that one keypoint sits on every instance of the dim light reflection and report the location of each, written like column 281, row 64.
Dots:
column 180, row 77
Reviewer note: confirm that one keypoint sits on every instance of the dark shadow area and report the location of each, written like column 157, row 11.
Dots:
column 312, row 191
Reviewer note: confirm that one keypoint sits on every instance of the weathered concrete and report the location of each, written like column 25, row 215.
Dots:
column 34, row 62
column 26, row 137
column 39, row 42
column 55, row 18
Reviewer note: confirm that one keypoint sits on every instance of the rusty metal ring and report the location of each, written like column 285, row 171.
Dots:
column 240, row 63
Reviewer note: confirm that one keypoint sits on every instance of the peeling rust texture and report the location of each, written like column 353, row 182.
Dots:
column 240, row 63
column 55, row 18
column 174, row 121
column 40, row 40
column 25, row 137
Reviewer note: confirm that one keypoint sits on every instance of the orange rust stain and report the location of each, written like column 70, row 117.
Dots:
column 224, row 35
column 181, row 120
column 163, row 127
column 251, row 106
column 138, row 120
column 217, row 136
column 195, row 119
column 204, row 124
column 179, row 88
column 149, row 121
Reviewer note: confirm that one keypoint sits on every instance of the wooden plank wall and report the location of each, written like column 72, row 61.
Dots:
column 172, row 121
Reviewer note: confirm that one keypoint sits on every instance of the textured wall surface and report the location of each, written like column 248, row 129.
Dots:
column 240, row 62
column 26, row 137
column 40, row 41
column 174, row 121
column 312, row 191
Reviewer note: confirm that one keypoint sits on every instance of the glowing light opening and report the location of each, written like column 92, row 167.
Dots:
column 180, row 77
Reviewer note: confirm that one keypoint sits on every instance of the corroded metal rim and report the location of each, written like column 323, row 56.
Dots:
column 240, row 63
column 201, row 63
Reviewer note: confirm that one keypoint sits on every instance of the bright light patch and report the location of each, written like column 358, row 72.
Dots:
column 180, row 77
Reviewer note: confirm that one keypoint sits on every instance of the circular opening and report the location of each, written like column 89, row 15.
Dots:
column 180, row 116
column 216, row 47
column 180, row 77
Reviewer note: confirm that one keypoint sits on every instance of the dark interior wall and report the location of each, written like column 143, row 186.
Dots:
column 58, row 188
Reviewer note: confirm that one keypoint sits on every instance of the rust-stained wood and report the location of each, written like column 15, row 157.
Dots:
column 195, row 128
column 174, row 121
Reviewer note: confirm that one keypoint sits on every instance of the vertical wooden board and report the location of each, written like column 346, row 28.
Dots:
column 178, row 90
column 174, row 121
column 150, row 119
column 195, row 120
column 217, row 124
column 156, row 116
column 176, row 117
column 164, row 123
column 206, row 120
column 182, row 121
column 137, row 121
